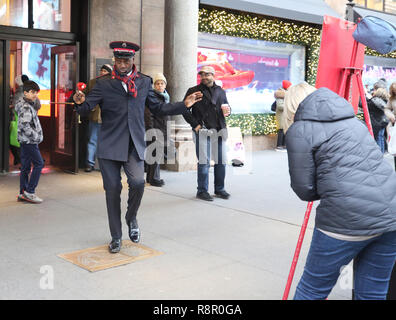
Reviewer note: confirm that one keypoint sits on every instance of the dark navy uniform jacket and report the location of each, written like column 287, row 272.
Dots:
column 123, row 115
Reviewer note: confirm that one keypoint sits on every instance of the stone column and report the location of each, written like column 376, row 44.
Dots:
column 180, row 69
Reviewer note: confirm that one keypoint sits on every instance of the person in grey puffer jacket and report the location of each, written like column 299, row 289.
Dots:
column 334, row 159
column 30, row 135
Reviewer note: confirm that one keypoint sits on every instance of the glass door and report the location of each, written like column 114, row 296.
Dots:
column 3, row 113
column 64, row 120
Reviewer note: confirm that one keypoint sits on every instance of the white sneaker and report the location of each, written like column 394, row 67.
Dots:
column 31, row 197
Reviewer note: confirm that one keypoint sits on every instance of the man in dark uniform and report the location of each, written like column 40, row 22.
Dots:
column 121, row 142
column 207, row 119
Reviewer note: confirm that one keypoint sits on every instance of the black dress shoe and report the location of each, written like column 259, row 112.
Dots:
column 88, row 169
column 222, row 194
column 157, row 183
column 133, row 231
column 204, row 196
column 115, row 246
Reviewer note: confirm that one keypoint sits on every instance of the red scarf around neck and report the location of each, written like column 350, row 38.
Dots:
column 128, row 80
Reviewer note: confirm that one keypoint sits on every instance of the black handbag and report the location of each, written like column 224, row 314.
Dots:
column 273, row 106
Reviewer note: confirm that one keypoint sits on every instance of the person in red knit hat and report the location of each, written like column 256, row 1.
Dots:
column 279, row 101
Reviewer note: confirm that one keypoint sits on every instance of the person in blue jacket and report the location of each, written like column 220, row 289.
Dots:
column 121, row 141
column 334, row 159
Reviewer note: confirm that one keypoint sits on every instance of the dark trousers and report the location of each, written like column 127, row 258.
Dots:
column 111, row 174
column 153, row 169
column 206, row 147
column 30, row 154
column 16, row 154
column 281, row 139
column 153, row 172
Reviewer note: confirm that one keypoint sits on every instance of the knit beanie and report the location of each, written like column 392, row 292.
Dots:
column 286, row 84
column 159, row 76
column 107, row 67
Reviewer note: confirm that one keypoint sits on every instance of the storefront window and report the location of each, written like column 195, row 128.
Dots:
column 250, row 70
column 390, row 6
column 36, row 64
column 375, row 4
column 51, row 15
column 361, row 2
column 14, row 13
column 376, row 68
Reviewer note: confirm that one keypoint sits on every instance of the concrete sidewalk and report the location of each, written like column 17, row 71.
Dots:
column 239, row 248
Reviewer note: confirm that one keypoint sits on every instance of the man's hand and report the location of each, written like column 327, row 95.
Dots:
column 79, row 97
column 197, row 128
column 193, row 98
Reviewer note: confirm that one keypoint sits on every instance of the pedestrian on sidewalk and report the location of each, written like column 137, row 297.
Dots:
column 390, row 108
column 159, row 123
column 334, row 159
column 207, row 119
column 379, row 121
column 121, row 141
column 95, row 121
column 18, row 95
column 279, row 102
column 30, row 135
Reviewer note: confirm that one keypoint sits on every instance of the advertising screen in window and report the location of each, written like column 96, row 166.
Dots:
column 250, row 70
column 36, row 64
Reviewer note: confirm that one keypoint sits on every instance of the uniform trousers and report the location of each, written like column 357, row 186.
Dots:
column 111, row 175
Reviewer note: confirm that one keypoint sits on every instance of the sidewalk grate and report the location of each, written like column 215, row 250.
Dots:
column 99, row 258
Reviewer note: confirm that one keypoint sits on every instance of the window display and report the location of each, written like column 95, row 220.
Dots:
column 250, row 70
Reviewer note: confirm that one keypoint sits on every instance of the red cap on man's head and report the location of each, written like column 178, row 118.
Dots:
column 286, row 84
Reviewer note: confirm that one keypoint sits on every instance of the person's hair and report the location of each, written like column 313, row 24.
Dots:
column 293, row 97
column 392, row 91
column 30, row 85
column 24, row 78
column 381, row 93
column 379, row 84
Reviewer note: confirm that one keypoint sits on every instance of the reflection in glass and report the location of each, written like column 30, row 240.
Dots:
column 390, row 6
column 65, row 68
column 361, row 2
column 14, row 13
column 250, row 70
column 375, row 4
column 52, row 15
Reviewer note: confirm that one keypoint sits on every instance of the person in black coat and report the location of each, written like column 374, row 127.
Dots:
column 159, row 124
column 379, row 121
column 207, row 119
column 121, row 141
column 334, row 159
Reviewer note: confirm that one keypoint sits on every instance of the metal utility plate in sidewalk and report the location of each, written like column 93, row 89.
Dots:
column 99, row 258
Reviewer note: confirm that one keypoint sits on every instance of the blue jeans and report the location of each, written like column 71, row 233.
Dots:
column 381, row 139
column 373, row 264
column 93, row 129
column 204, row 146
column 30, row 154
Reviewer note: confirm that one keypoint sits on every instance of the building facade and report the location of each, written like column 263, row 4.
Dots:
column 254, row 44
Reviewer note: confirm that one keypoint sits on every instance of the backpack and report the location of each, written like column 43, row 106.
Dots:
column 376, row 34
column 14, row 132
